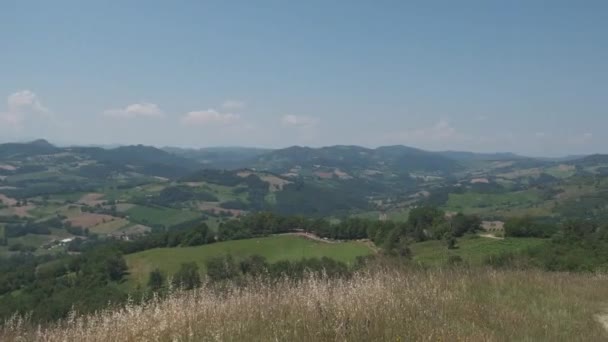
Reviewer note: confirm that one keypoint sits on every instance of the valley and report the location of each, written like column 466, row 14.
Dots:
column 95, row 226
column 80, row 192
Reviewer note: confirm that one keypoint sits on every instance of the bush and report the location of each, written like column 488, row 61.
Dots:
column 156, row 280
column 527, row 227
column 222, row 268
column 187, row 276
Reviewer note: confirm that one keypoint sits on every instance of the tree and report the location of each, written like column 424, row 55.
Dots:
column 397, row 244
column 116, row 267
column 156, row 280
column 527, row 227
column 222, row 268
column 462, row 224
column 255, row 265
column 187, row 276
column 450, row 241
column 198, row 236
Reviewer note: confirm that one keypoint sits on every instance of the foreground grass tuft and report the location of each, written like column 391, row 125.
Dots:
column 407, row 305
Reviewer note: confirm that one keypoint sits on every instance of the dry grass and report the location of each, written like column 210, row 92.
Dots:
column 91, row 199
column 215, row 207
column 274, row 183
column 415, row 305
column 7, row 200
column 88, row 220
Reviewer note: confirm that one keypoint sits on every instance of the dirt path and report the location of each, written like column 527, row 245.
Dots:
column 490, row 236
column 310, row 236
column 603, row 320
column 314, row 237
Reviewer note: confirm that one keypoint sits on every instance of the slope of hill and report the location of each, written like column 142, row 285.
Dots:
column 472, row 156
column 274, row 248
column 220, row 157
column 594, row 159
column 396, row 159
column 23, row 150
column 93, row 161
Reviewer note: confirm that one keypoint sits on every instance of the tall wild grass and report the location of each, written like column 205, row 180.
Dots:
column 387, row 305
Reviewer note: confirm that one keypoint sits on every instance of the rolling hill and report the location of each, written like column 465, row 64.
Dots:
column 356, row 159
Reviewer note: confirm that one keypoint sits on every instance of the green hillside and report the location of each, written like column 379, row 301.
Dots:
column 472, row 249
column 275, row 248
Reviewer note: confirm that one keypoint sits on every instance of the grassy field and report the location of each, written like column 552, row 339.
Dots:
column 480, row 203
column 384, row 305
column 400, row 214
column 109, row 227
column 72, row 196
column 481, row 200
column 160, row 215
column 223, row 193
column 32, row 240
column 45, row 210
column 274, row 248
column 472, row 249
column 33, row 176
column 561, row 171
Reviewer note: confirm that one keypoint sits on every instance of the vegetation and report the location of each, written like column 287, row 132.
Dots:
column 272, row 249
column 83, row 228
column 472, row 250
column 389, row 304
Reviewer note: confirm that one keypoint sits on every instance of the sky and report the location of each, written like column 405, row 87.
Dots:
column 529, row 77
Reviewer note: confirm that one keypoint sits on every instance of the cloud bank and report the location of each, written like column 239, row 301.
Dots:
column 136, row 110
column 209, row 117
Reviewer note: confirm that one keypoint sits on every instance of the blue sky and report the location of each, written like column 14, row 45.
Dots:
column 523, row 76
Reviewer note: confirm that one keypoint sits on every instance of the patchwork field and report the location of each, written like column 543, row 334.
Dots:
column 275, row 248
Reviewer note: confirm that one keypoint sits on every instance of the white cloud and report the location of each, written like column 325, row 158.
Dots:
column 300, row 121
column 141, row 110
column 233, row 105
column 25, row 101
column 20, row 106
column 209, row 117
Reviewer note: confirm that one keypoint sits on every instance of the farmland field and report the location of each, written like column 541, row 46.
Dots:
column 474, row 203
column 275, row 248
column 110, row 226
column 160, row 215
column 471, row 249
column 223, row 193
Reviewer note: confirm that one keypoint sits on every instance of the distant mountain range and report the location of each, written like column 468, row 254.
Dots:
column 471, row 156
column 146, row 160
column 175, row 162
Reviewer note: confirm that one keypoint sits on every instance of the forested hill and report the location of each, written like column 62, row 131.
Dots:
column 398, row 159
column 17, row 150
column 95, row 162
